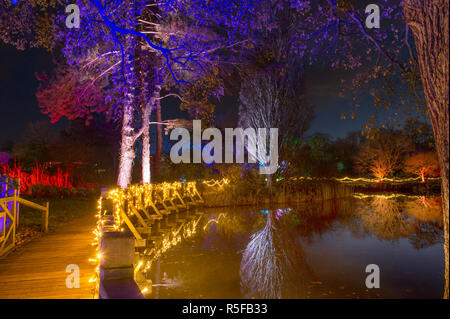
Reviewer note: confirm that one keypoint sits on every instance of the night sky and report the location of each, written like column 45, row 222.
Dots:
column 19, row 105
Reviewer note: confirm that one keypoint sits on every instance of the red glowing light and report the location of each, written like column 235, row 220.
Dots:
column 38, row 175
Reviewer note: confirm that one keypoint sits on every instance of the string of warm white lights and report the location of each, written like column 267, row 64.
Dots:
column 390, row 196
column 364, row 179
column 141, row 197
column 219, row 183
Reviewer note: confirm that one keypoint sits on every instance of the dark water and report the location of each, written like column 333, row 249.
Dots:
column 314, row 251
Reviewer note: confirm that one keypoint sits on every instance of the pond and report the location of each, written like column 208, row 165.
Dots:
column 318, row 250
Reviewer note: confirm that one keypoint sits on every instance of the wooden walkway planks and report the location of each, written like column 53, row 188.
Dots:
column 38, row 269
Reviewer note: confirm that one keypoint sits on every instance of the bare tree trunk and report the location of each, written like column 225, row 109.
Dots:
column 429, row 21
column 146, row 171
column 269, row 181
column 127, row 153
column 159, row 136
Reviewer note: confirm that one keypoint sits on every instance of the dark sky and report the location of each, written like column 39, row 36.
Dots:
column 17, row 89
column 19, row 106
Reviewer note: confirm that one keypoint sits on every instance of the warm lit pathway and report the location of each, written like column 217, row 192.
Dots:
column 38, row 269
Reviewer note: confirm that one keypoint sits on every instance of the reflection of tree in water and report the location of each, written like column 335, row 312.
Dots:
column 327, row 216
column 229, row 231
column 274, row 264
column 392, row 219
column 427, row 234
column 425, row 209
column 385, row 218
column 427, row 213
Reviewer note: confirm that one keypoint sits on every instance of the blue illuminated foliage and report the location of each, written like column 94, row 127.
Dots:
column 185, row 44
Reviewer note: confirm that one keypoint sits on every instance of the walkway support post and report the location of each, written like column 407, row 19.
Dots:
column 116, row 266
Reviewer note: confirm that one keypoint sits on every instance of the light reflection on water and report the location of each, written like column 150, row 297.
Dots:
column 319, row 250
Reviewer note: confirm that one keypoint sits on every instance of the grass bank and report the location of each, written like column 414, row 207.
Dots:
column 61, row 212
column 287, row 192
column 431, row 187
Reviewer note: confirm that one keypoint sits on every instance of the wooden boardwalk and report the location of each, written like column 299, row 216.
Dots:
column 38, row 269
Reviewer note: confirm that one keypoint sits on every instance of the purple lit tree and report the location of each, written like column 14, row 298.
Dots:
column 119, row 39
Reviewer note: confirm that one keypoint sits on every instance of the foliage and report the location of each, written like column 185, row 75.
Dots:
column 197, row 97
column 70, row 93
column 421, row 133
column 29, row 24
column 380, row 167
column 384, row 154
column 422, row 164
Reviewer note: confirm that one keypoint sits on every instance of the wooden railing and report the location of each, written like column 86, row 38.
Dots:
column 9, row 218
column 140, row 206
column 127, row 220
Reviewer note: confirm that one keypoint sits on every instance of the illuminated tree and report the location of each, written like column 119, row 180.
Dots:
column 432, row 47
column 380, row 168
column 128, row 40
column 70, row 94
column 383, row 154
column 273, row 93
column 422, row 165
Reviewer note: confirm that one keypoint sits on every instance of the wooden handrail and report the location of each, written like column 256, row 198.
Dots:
column 43, row 209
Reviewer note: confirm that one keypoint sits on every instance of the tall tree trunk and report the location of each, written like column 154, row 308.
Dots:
column 159, row 136
column 428, row 20
column 127, row 153
column 146, row 171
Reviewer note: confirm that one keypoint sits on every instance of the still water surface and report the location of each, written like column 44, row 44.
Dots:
column 319, row 250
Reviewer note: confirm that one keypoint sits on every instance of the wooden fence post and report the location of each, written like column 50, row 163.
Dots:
column 14, row 221
column 16, row 203
column 44, row 225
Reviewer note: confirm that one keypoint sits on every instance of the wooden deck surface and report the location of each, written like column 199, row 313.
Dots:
column 38, row 269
